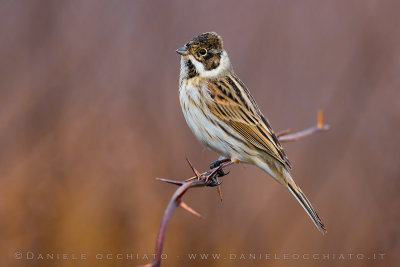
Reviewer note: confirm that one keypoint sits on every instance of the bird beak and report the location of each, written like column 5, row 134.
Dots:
column 182, row 51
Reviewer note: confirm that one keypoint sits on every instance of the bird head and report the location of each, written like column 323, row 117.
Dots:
column 206, row 53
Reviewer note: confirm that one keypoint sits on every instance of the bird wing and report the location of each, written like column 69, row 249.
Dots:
column 231, row 102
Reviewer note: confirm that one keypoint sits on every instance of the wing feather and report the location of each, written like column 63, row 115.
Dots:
column 232, row 103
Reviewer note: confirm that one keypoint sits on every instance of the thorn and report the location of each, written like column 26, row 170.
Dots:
column 320, row 121
column 219, row 192
column 198, row 175
column 189, row 209
column 170, row 181
column 207, row 178
column 191, row 179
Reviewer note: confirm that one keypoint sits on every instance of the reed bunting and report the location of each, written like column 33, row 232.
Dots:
column 223, row 115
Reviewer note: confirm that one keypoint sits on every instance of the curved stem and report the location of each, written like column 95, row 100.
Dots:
column 175, row 201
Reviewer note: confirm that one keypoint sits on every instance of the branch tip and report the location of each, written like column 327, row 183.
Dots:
column 320, row 120
column 284, row 132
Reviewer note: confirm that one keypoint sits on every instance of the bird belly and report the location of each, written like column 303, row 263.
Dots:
column 209, row 130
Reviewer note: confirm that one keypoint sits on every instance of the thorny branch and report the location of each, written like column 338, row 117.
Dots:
column 210, row 178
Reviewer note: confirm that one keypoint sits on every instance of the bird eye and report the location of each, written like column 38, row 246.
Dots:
column 203, row 52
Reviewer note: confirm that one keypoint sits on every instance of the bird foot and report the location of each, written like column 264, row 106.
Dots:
column 218, row 162
column 212, row 176
column 216, row 171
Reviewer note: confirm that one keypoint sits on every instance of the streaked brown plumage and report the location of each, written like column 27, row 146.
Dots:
column 223, row 115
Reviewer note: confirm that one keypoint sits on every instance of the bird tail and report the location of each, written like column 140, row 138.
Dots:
column 305, row 203
column 283, row 176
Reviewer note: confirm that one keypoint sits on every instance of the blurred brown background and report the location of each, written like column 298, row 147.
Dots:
column 89, row 116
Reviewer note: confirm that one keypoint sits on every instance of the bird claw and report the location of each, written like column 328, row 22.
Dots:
column 221, row 173
column 213, row 183
column 212, row 177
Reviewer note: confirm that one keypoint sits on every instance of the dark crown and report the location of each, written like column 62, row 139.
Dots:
column 208, row 39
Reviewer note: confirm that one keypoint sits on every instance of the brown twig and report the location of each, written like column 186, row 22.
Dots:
column 210, row 178
column 287, row 136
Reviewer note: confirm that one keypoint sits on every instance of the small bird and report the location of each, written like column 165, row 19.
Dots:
column 224, row 116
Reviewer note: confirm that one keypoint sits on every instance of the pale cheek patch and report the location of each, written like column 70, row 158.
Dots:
column 199, row 66
column 224, row 66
